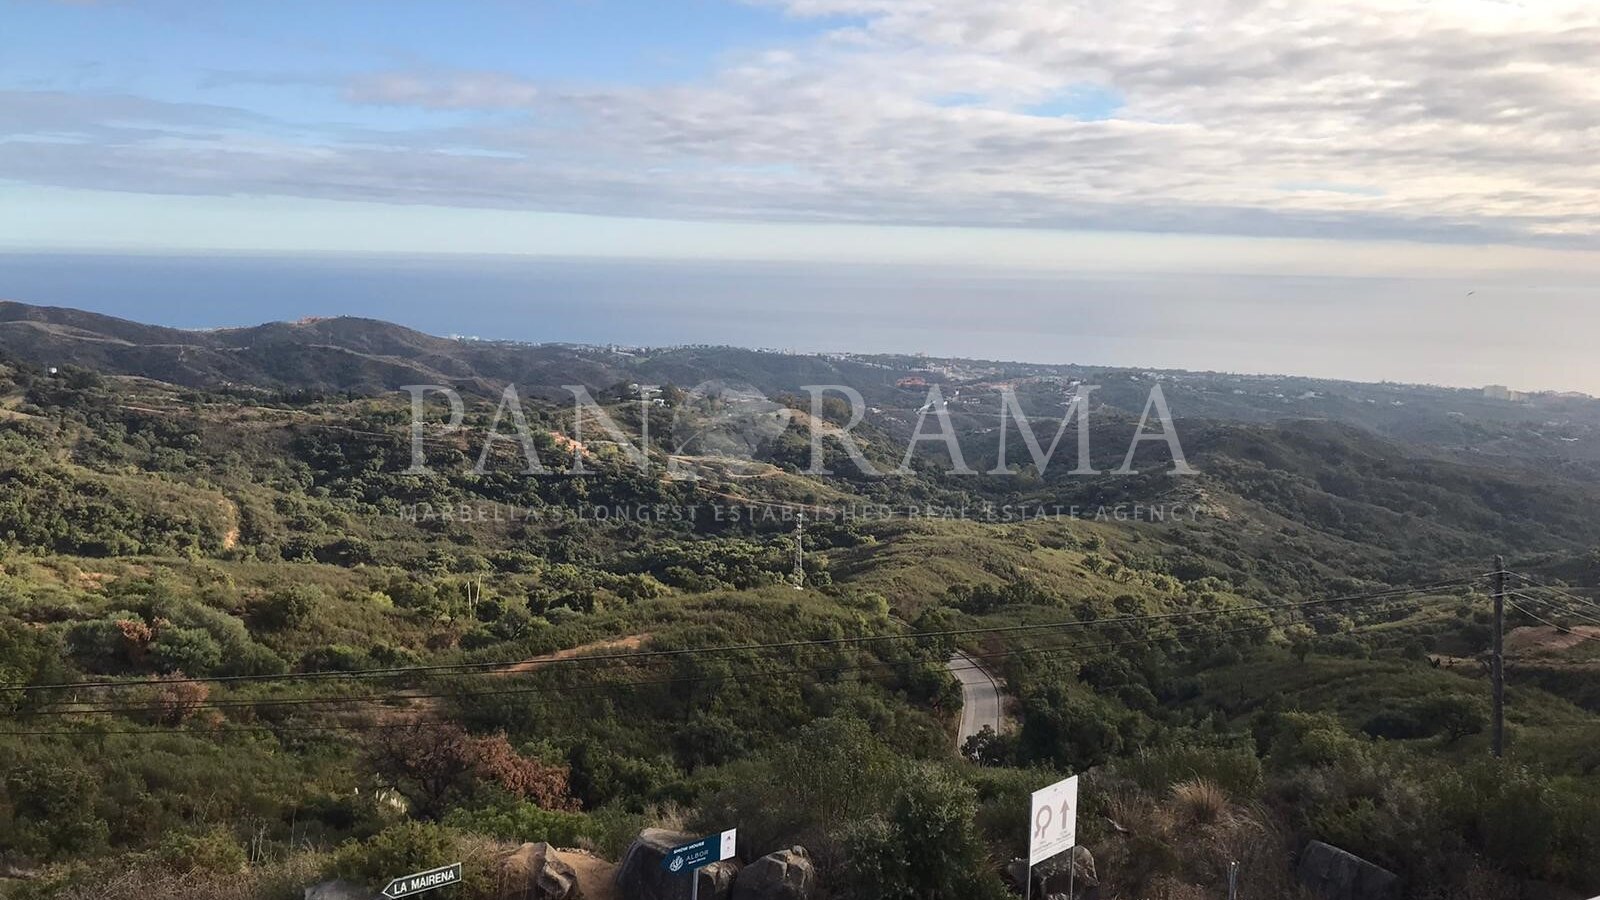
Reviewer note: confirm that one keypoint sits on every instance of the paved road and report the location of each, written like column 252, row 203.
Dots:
column 980, row 697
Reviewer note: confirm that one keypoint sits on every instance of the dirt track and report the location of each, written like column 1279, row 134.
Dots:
column 533, row 664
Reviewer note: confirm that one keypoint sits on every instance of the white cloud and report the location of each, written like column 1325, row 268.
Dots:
column 1461, row 119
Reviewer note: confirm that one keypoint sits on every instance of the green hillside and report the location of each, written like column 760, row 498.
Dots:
column 282, row 654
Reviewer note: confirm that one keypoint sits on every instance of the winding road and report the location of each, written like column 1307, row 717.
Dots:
column 980, row 697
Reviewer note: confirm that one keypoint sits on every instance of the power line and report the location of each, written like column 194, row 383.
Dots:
column 1556, row 605
column 345, row 726
column 622, row 685
column 1576, row 598
column 464, row 668
column 1538, row 618
column 568, row 691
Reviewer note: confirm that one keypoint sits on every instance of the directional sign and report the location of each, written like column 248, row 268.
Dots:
column 431, row 880
column 701, row 853
column 1053, row 825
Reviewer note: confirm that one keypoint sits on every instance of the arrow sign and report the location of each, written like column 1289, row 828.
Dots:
column 431, row 880
column 701, row 853
column 1053, row 821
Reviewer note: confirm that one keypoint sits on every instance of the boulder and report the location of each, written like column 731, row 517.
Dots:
column 716, row 880
column 785, row 875
column 1338, row 875
column 641, row 877
column 1053, row 876
column 532, row 872
column 338, row 890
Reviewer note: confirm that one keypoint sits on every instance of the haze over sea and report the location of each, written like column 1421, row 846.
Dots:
column 1361, row 328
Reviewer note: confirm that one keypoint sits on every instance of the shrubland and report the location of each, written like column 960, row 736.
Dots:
column 176, row 555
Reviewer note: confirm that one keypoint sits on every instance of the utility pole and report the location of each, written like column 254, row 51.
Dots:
column 1498, row 662
column 800, row 552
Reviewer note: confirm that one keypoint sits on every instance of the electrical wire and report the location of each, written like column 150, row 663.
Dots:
column 565, row 692
column 1581, row 600
column 1554, row 604
column 425, row 723
column 1557, row 605
column 462, row 668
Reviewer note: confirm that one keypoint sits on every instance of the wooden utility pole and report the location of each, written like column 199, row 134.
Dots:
column 1498, row 662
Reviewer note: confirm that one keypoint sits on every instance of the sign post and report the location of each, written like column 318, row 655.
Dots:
column 693, row 857
column 1053, row 827
column 421, row 882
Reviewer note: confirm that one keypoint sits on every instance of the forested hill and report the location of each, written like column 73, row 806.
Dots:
column 214, row 540
column 365, row 356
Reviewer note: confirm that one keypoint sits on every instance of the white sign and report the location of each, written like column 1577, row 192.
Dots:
column 729, row 839
column 431, row 880
column 1053, row 825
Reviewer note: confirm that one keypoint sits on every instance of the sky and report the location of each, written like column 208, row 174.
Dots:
column 1254, row 185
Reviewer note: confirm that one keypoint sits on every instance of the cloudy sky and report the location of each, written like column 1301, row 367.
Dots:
column 1445, row 146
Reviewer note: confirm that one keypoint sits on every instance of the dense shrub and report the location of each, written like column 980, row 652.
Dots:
column 403, row 848
column 523, row 822
column 288, row 607
column 925, row 846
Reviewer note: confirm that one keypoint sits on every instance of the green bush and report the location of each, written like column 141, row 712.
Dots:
column 523, row 822
column 1452, row 716
column 927, row 846
column 191, row 651
column 1308, row 739
column 215, row 850
column 1534, row 825
column 288, row 607
column 395, row 851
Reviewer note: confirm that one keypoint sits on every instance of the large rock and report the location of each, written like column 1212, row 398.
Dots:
column 785, row 875
column 641, row 876
column 338, row 890
column 1338, row 875
column 532, row 872
column 1054, row 876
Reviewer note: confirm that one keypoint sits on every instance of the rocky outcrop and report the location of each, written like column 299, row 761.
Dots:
column 785, row 875
column 338, row 890
column 641, row 877
column 1054, row 876
column 1338, row 875
column 532, row 872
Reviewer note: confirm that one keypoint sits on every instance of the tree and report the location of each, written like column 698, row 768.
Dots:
column 288, row 607
column 1453, row 716
column 177, row 699
column 1300, row 637
column 926, row 848
column 1069, row 730
column 986, row 748
column 436, row 767
column 191, row 650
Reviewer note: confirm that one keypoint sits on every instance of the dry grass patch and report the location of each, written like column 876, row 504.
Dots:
column 1200, row 802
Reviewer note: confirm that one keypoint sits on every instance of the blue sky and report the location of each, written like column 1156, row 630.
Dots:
column 1437, row 141
column 1450, row 121
column 185, row 51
